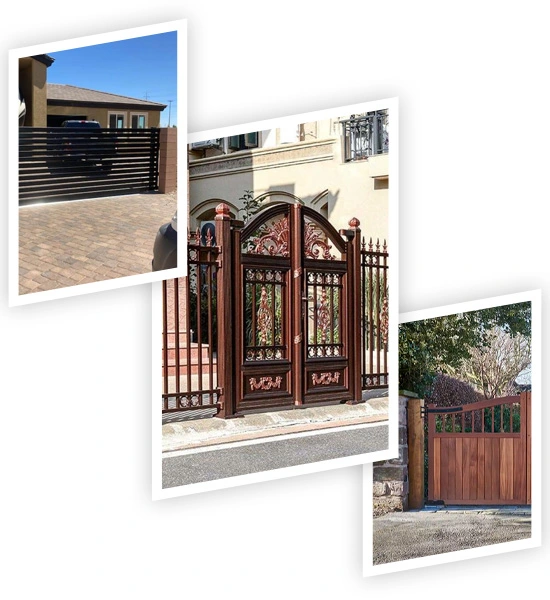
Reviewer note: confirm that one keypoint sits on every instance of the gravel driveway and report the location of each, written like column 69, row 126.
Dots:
column 400, row 536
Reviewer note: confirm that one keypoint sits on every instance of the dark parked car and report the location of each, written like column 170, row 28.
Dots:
column 83, row 141
column 165, row 249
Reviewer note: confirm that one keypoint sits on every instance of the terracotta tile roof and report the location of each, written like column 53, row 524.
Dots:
column 71, row 93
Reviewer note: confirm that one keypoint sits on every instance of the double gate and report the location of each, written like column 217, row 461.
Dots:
column 271, row 316
column 59, row 163
column 294, row 311
column 480, row 453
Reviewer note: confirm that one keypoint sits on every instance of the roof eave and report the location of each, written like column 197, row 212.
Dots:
column 44, row 59
column 96, row 104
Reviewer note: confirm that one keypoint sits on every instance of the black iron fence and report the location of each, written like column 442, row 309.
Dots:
column 58, row 163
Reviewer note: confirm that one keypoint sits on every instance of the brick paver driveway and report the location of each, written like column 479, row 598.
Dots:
column 68, row 243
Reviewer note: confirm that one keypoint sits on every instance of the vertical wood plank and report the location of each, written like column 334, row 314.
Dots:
column 473, row 466
column 506, row 468
column 480, row 469
column 451, row 469
column 436, row 469
column 431, row 454
column 520, row 472
column 488, row 467
column 495, row 469
column 527, row 400
column 458, row 468
column 444, row 468
column 466, row 453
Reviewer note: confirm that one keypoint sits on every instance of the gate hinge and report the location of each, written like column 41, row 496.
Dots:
column 297, row 272
column 298, row 339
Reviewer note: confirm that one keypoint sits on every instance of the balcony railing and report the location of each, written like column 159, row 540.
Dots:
column 365, row 135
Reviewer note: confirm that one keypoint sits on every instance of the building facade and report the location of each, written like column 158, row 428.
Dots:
column 337, row 166
column 49, row 104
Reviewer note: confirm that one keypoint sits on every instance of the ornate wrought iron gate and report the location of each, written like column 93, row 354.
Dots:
column 279, row 313
column 297, row 334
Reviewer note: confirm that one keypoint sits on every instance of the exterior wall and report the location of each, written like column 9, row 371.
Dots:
column 101, row 114
column 391, row 477
column 299, row 169
column 32, row 84
column 168, row 162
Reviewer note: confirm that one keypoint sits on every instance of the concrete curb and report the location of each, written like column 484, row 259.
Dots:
column 206, row 432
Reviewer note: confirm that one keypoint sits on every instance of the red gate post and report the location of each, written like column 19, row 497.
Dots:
column 224, row 310
column 297, row 289
column 354, row 310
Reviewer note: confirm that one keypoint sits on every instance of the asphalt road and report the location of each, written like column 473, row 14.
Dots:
column 229, row 462
column 401, row 536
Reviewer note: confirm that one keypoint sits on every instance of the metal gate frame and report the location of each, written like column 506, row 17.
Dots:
column 481, row 458
column 289, row 379
column 203, row 334
column 58, row 163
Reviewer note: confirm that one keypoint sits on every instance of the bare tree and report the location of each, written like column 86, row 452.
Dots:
column 494, row 368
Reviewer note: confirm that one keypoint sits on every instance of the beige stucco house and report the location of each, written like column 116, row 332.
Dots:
column 49, row 104
column 338, row 166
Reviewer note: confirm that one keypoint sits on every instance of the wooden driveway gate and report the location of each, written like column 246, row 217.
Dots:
column 480, row 453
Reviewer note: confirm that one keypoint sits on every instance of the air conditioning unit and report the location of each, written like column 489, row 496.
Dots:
column 205, row 144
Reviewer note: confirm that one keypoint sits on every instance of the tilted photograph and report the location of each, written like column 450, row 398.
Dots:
column 465, row 480
column 276, row 348
column 94, row 179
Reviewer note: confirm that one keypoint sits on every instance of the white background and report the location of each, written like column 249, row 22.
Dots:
column 77, row 519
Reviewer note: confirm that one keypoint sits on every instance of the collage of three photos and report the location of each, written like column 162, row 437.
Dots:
column 272, row 251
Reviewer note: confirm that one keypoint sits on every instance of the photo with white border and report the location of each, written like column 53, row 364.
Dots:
column 465, row 483
column 304, row 194
column 92, row 173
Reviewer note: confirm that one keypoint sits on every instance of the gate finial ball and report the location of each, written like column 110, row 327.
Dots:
column 223, row 210
column 354, row 222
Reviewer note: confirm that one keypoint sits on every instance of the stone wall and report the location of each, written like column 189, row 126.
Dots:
column 391, row 477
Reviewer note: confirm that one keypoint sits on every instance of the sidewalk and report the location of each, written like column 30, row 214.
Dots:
column 63, row 244
column 188, row 434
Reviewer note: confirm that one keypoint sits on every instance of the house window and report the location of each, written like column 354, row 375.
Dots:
column 116, row 121
column 139, row 121
column 365, row 135
column 242, row 142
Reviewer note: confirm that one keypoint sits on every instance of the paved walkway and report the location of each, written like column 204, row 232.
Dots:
column 188, row 433
column 81, row 241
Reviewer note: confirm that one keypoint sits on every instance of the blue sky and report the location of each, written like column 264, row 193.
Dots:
column 143, row 67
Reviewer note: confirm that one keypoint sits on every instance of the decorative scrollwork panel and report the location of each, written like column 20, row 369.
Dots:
column 324, row 314
column 264, row 316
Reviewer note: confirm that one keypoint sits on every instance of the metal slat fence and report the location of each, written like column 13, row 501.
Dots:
column 58, row 163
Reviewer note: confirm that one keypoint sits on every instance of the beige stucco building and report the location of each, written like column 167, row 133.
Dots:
column 338, row 166
column 49, row 104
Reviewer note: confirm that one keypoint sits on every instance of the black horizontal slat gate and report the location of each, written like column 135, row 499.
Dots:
column 58, row 163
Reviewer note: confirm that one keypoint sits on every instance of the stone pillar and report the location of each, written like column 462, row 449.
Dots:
column 391, row 477
column 168, row 160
